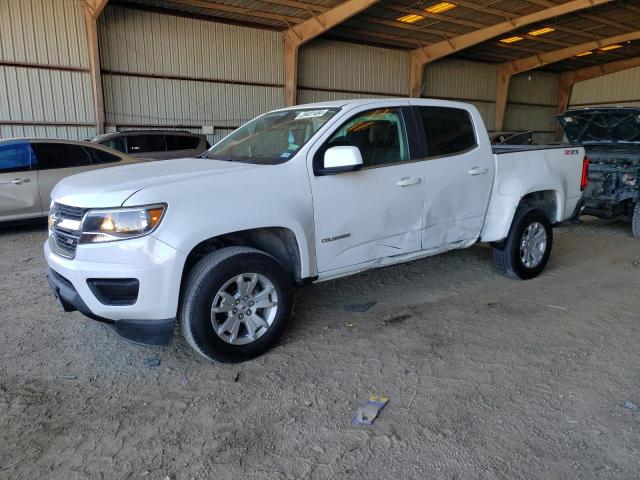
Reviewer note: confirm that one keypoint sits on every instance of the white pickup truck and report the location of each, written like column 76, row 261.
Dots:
column 296, row 196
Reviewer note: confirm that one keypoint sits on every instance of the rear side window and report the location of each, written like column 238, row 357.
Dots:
column 448, row 130
column 99, row 157
column 60, row 155
column 145, row 143
column 118, row 143
column 181, row 142
column 16, row 157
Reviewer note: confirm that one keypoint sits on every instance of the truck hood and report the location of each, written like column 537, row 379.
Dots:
column 110, row 187
column 611, row 125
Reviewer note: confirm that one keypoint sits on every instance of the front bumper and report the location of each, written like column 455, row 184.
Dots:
column 157, row 267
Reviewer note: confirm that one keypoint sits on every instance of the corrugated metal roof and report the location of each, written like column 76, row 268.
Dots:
column 379, row 24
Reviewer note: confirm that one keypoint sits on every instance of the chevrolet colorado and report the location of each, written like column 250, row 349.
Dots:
column 297, row 195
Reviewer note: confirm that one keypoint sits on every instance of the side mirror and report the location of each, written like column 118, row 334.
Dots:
column 341, row 159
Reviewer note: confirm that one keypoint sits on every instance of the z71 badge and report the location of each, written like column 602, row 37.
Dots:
column 573, row 151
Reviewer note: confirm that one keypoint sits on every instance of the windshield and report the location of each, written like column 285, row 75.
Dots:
column 272, row 138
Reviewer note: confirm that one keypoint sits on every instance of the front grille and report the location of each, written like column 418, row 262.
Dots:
column 64, row 241
column 65, row 211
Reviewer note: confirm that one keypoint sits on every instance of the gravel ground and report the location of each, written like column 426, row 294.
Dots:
column 487, row 377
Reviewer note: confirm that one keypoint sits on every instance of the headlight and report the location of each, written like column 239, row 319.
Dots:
column 120, row 223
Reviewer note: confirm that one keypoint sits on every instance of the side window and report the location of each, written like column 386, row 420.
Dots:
column 145, row 143
column 379, row 134
column 117, row 143
column 448, row 130
column 99, row 157
column 181, row 142
column 16, row 157
column 60, row 155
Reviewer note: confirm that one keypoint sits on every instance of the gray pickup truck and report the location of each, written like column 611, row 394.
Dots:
column 611, row 138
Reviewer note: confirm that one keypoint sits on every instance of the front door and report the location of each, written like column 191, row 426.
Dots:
column 374, row 212
column 19, row 197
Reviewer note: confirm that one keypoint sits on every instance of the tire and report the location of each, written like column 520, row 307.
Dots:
column 508, row 259
column 635, row 221
column 211, row 280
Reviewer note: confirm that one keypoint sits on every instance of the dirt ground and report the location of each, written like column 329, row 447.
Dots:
column 487, row 377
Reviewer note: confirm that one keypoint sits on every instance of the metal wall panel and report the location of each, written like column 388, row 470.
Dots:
column 620, row 88
column 40, row 131
column 524, row 117
column 202, row 60
column 153, row 43
column 534, row 87
column 335, row 65
column 49, row 32
column 44, row 95
column 158, row 101
column 449, row 78
column 52, row 100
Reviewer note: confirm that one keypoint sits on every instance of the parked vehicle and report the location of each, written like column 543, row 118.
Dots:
column 611, row 138
column 155, row 144
column 30, row 167
column 513, row 138
column 296, row 196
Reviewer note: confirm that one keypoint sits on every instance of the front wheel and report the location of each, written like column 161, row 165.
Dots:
column 526, row 250
column 237, row 303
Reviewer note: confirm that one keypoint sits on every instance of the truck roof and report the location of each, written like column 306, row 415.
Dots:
column 365, row 101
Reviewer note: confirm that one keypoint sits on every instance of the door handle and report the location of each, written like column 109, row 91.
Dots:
column 406, row 181
column 20, row 181
column 477, row 171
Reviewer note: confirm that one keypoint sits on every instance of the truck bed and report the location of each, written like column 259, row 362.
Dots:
column 500, row 149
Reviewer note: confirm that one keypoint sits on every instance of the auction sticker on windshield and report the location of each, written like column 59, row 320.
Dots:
column 311, row 114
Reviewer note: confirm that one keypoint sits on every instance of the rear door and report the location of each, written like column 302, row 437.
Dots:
column 375, row 212
column 57, row 161
column 19, row 197
column 459, row 175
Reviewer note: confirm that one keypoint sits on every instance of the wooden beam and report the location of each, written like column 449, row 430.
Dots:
column 508, row 69
column 535, row 61
column 95, row 7
column 568, row 79
column 421, row 56
column 299, row 34
column 92, row 10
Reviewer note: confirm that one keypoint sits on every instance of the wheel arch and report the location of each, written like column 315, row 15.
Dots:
column 498, row 222
column 279, row 242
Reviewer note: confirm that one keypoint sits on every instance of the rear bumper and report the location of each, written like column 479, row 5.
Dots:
column 145, row 332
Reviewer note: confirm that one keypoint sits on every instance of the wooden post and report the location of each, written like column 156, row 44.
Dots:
column 300, row 34
column 92, row 10
column 502, row 96
column 290, row 72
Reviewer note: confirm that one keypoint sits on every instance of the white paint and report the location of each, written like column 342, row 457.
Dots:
column 368, row 218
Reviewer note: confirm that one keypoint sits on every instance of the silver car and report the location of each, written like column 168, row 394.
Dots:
column 30, row 168
column 155, row 144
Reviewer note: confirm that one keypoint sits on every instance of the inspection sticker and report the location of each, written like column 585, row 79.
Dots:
column 311, row 114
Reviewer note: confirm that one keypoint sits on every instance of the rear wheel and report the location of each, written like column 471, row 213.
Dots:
column 635, row 221
column 237, row 303
column 526, row 250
